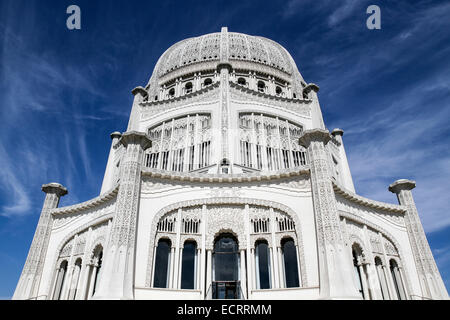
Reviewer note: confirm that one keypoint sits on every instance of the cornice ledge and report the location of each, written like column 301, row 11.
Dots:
column 224, row 178
column 112, row 193
column 184, row 97
column 367, row 202
column 267, row 96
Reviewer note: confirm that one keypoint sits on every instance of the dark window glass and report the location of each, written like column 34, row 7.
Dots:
column 97, row 271
column 290, row 263
column 162, row 263
column 226, row 259
column 188, row 265
column 262, row 255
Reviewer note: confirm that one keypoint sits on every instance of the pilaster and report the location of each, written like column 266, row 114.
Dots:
column 335, row 270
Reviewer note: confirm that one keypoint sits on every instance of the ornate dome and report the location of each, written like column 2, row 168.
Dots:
column 240, row 50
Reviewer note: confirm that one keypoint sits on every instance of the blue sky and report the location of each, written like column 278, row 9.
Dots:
column 63, row 92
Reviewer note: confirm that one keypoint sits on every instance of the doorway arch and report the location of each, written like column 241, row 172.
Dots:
column 225, row 263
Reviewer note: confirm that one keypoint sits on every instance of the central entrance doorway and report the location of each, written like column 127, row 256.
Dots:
column 226, row 281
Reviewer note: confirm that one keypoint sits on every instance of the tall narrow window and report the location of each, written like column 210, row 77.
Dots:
column 381, row 278
column 262, row 263
column 75, row 280
column 189, row 265
column 98, row 259
column 161, row 275
column 60, row 279
column 290, row 263
column 278, row 91
column 357, row 272
column 261, row 86
column 397, row 279
column 191, row 158
column 188, row 87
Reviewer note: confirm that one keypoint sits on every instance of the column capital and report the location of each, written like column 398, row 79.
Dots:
column 311, row 86
column 139, row 90
column 136, row 137
column 56, row 188
column 337, row 131
column 402, row 184
column 309, row 136
column 115, row 134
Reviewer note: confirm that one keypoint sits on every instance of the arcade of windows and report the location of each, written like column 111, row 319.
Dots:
column 181, row 144
column 389, row 280
column 78, row 281
column 229, row 271
column 269, row 143
column 262, row 83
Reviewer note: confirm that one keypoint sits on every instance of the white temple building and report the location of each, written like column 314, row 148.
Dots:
column 227, row 185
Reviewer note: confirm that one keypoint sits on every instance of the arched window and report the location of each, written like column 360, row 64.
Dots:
column 242, row 81
column 289, row 252
column 278, row 91
column 207, row 82
column 161, row 274
column 75, row 280
column 98, row 259
column 189, row 265
column 226, row 268
column 172, row 93
column 397, row 279
column 262, row 263
column 357, row 256
column 60, row 279
column 188, row 87
column 261, row 86
column 382, row 278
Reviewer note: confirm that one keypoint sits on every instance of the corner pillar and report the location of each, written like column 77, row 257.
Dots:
column 430, row 279
column 119, row 260
column 335, row 269
column 28, row 285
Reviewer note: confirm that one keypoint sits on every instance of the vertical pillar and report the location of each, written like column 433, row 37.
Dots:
column 425, row 264
column 282, row 280
column 346, row 174
column 119, row 258
column 139, row 95
column 243, row 275
column 311, row 89
column 274, row 250
column 28, row 285
column 208, row 271
column 335, row 269
column 108, row 179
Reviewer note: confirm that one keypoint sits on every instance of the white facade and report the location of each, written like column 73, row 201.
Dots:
column 227, row 184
